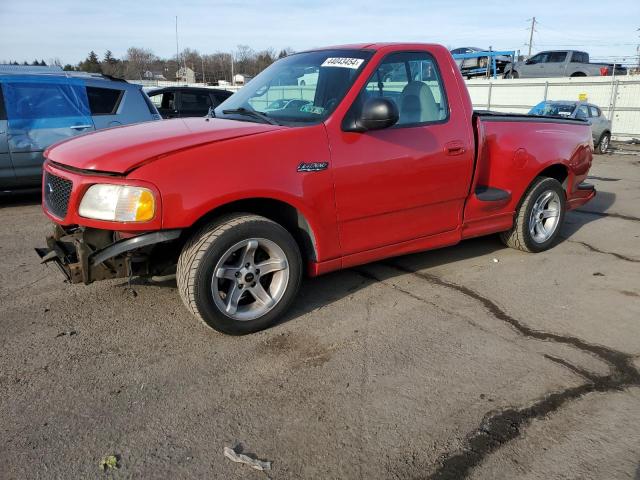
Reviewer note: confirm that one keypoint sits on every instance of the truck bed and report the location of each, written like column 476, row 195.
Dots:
column 511, row 149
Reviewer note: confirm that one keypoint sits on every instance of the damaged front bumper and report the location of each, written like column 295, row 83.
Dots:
column 85, row 255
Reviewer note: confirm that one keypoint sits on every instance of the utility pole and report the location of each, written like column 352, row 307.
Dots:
column 203, row 79
column 177, row 49
column 233, row 78
column 638, row 49
column 533, row 26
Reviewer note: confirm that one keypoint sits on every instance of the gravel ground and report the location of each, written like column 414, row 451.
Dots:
column 445, row 364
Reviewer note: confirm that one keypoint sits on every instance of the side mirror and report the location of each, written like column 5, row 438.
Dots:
column 377, row 113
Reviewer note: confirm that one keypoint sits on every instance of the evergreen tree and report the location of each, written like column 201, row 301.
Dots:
column 109, row 58
column 91, row 64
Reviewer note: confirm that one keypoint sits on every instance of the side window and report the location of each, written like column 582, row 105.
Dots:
column 219, row 97
column 104, row 101
column 156, row 99
column 195, row 101
column 38, row 100
column 582, row 112
column 579, row 57
column 540, row 58
column 412, row 81
column 163, row 100
column 557, row 57
column 595, row 112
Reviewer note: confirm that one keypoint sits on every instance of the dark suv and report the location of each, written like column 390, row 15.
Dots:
column 174, row 102
column 42, row 106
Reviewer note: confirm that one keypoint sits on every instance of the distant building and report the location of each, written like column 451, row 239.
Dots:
column 149, row 75
column 185, row 74
column 241, row 78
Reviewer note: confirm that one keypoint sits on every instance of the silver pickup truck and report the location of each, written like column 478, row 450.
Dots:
column 561, row 63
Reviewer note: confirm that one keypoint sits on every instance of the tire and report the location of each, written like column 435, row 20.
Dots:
column 603, row 143
column 542, row 237
column 511, row 74
column 221, row 249
column 578, row 74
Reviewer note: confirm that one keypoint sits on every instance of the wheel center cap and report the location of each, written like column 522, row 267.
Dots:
column 249, row 277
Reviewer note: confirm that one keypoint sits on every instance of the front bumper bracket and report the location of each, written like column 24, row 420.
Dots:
column 72, row 252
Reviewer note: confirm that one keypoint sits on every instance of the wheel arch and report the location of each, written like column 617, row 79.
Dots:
column 559, row 171
column 280, row 211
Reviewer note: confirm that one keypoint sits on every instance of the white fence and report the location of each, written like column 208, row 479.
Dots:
column 147, row 84
column 618, row 97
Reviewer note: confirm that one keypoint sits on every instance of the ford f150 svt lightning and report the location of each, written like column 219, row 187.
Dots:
column 365, row 166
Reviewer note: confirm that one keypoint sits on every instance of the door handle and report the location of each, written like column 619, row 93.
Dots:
column 454, row 148
column 80, row 127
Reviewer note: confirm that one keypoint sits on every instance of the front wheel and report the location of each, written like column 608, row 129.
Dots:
column 240, row 273
column 603, row 143
column 538, row 218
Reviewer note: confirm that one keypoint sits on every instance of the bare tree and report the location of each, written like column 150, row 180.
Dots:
column 139, row 60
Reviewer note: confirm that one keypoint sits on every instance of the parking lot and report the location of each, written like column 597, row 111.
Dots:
column 472, row 361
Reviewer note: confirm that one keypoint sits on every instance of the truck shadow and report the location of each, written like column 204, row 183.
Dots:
column 20, row 198
column 593, row 211
column 320, row 292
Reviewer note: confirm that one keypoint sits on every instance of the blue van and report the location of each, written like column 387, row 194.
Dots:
column 40, row 106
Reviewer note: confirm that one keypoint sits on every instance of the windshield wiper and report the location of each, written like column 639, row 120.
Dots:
column 252, row 113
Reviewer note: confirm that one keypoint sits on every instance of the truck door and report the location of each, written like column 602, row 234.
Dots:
column 533, row 66
column 7, row 177
column 410, row 180
column 42, row 111
column 556, row 64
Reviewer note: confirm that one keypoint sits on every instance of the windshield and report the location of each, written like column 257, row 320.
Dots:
column 553, row 109
column 299, row 89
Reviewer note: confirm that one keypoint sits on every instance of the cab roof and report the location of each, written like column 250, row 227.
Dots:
column 374, row 46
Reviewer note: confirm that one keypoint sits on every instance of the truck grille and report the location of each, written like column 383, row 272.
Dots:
column 57, row 191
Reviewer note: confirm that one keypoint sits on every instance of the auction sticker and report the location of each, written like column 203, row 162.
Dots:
column 343, row 62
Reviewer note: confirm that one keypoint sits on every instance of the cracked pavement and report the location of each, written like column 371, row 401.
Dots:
column 444, row 364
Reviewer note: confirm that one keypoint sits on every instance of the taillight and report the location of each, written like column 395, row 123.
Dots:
column 604, row 71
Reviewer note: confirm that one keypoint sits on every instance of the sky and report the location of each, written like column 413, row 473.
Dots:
column 69, row 29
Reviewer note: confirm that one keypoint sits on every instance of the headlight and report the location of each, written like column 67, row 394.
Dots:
column 118, row 203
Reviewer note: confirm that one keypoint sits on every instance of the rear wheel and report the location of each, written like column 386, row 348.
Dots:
column 511, row 74
column 603, row 143
column 239, row 274
column 538, row 218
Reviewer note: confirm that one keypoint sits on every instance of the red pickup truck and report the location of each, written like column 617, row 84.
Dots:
column 379, row 154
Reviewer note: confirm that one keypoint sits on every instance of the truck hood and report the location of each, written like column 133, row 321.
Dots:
column 122, row 149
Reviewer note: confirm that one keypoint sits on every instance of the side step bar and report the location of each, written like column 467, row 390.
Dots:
column 490, row 194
